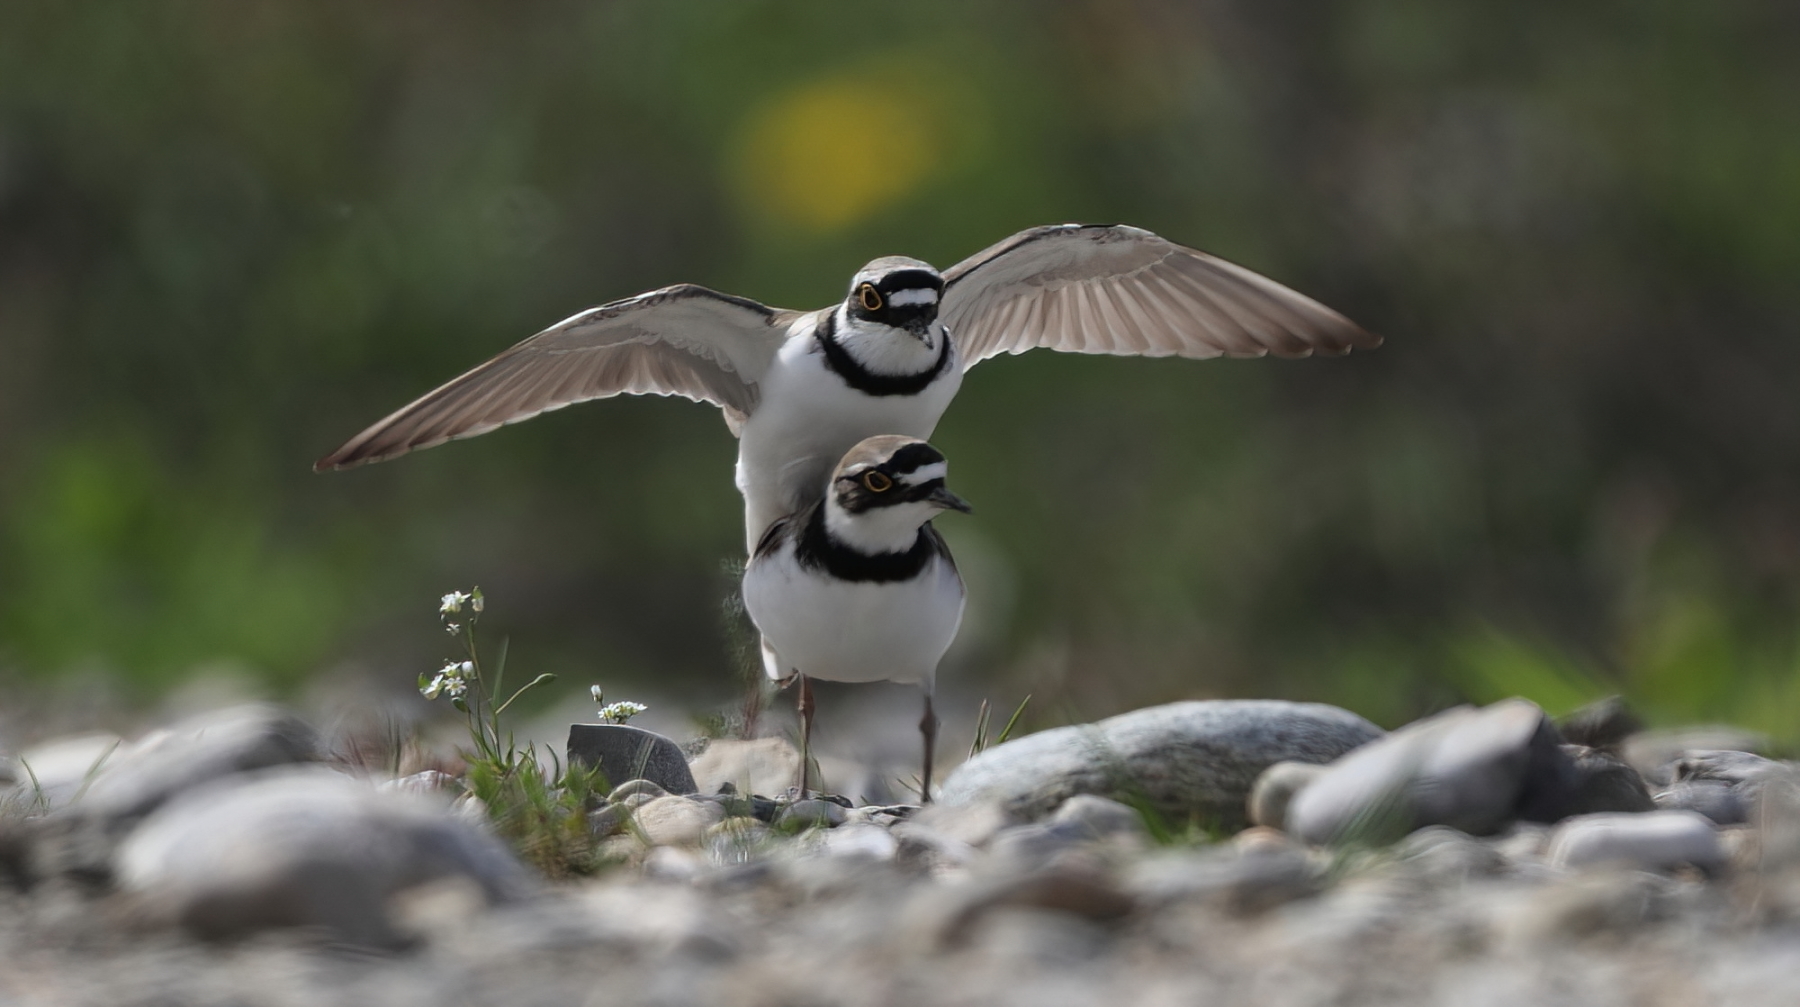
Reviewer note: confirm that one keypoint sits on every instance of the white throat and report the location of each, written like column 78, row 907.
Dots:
column 885, row 349
column 879, row 529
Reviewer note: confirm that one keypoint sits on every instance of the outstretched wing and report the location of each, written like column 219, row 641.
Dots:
column 683, row 340
column 1097, row 288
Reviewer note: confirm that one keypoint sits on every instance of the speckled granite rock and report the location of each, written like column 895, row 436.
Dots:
column 1183, row 758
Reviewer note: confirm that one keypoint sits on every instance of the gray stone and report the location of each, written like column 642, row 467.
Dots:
column 49, row 776
column 164, row 763
column 1446, row 855
column 1275, row 789
column 1029, row 847
column 1603, row 724
column 1716, row 799
column 810, row 814
column 1236, row 881
column 923, row 849
column 1602, row 782
column 1097, row 817
column 1198, row 757
column 1656, row 840
column 302, row 847
column 971, row 824
column 607, row 819
column 623, row 752
column 676, row 821
column 1472, row 769
column 1654, row 753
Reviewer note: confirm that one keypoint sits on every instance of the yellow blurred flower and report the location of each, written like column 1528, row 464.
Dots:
column 835, row 151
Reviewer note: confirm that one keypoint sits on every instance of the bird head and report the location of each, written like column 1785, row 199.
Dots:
column 897, row 291
column 885, row 489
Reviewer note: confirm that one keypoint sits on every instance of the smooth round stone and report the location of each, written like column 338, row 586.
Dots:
column 1654, row 840
column 1091, row 816
column 196, row 751
column 676, row 821
column 607, row 819
column 1603, row 782
column 1475, row 770
column 1717, row 800
column 303, row 847
column 1181, row 758
column 627, row 753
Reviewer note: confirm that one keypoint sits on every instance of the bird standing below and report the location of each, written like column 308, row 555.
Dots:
column 799, row 389
column 859, row 587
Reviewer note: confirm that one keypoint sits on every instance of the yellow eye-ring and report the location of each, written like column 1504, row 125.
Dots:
column 877, row 482
column 869, row 296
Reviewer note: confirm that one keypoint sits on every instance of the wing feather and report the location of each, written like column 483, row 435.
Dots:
column 1088, row 288
column 683, row 340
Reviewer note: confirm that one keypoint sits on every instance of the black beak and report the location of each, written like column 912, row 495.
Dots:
column 950, row 501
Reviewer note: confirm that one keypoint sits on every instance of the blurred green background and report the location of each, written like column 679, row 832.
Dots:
column 232, row 233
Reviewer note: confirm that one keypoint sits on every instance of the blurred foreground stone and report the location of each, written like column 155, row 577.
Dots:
column 303, row 847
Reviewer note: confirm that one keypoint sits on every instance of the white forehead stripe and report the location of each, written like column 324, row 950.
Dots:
column 918, row 295
column 926, row 473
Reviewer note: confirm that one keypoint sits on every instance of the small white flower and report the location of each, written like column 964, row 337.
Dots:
column 456, row 687
column 477, row 601
column 620, row 712
column 452, row 603
column 598, row 693
column 453, row 628
column 466, row 668
column 434, row 688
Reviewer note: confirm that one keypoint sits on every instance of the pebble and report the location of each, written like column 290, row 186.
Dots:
column 1654, row 753
column 1601, row 781
column 607, row 819
column 302, row 847
column 633, row 788
column 1716, row 799
column 1655, row 840
column 758, row 766
column 675, row 821
column 1275, row 789
column 195, row 751
column 1472, row 769
column 627, row 753
column 1602, row 724
column 737, row 840
column 811, row 813
column 1092, row 817
column 48, row 776
column 971, row 824
column 1235, row 880
column 1182, row 758
column 860, row 842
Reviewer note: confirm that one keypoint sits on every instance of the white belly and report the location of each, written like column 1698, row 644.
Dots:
column 807, row 419
column 857, row 631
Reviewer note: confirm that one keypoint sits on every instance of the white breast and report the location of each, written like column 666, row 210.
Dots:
column 807, row 418
column 854, row 631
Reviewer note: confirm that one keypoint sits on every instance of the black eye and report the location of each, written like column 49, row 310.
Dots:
column 877, row 482
column 869, row 296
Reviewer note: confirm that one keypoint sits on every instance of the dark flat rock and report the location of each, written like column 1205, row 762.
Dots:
column 625, row 753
